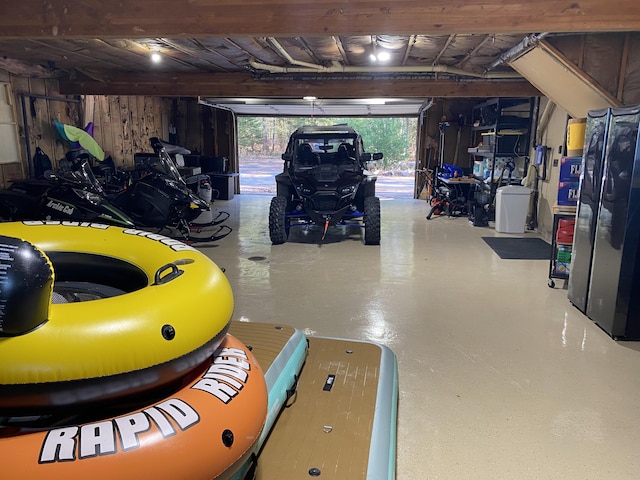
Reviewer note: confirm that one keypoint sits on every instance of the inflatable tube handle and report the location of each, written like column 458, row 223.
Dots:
column 175, row 273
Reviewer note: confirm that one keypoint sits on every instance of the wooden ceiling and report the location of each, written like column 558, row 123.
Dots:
column 290, row 48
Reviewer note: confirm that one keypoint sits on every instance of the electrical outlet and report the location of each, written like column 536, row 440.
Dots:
column 555, row 162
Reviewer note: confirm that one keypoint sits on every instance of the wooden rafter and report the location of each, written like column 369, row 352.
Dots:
column 473, row 51
column 236, row 45
column 244, row 85
column 343, row 53
column 410, row 43
column 623, row 67
column 437, row 58
column 70, row 53
column 194, row 53
column 309, row 51
column 180, row 18
column 177, row 60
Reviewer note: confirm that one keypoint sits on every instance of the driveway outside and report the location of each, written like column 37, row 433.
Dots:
column 257, row 177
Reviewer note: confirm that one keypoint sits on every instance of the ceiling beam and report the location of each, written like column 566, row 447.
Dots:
column 450, row 39
column 245, row 85
column 224, row 18
column 195, row 53
column 343, row 52
column 410, row 43
column 472, row 52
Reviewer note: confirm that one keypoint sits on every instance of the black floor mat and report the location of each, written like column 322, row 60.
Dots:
column 519, row 248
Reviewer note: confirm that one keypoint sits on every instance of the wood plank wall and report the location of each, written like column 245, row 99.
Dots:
column 455, row 146
column 122, row 124
column 203, row 130
column 38, row 119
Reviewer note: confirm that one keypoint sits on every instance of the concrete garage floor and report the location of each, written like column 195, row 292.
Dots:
column 500, row 376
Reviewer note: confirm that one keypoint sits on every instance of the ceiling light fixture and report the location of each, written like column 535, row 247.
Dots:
column 378, row 54
column 156, row 57
column 381, row 57
column 312, row 99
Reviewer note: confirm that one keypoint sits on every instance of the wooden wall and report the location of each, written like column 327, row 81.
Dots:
column 456, row 137
column 207, row 131
column 204, row 130
column 123, row 124
column 35, row 120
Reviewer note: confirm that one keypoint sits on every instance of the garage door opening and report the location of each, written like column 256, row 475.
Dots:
column 261, row 141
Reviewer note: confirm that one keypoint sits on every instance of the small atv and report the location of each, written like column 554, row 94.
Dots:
column 325, row 182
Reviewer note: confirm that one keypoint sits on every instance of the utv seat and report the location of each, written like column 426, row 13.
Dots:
column 344, row 159
column 306, row 156
column 343, row 153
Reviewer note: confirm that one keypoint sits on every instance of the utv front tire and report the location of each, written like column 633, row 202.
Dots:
column 278, row 230
column 371, row 221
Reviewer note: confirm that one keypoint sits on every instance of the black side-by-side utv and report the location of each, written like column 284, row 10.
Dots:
column 325, row 182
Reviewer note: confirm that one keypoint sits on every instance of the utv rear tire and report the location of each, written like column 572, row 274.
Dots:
column 278, row 230
column 371, row 221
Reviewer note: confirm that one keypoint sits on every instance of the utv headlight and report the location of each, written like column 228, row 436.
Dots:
column 347, row 190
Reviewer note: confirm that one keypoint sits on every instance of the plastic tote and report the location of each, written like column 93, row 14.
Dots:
column 512, row 206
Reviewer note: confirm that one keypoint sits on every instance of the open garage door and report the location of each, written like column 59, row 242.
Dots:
column 561, row 81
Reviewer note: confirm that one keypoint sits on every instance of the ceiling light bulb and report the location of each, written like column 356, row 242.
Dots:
column 310, row 99
column 156, row 57
column 384, row 56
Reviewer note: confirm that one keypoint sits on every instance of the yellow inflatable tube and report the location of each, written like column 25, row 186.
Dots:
column 171, row 313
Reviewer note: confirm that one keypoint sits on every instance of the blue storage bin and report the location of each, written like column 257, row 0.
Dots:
column 568, row 193
column 570, row 169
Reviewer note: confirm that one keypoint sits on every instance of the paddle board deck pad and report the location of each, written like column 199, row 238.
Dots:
column 281, row 351
column 340, row 423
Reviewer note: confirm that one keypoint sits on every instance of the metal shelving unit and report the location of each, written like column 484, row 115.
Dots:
column 561, row 244
column 501, row 132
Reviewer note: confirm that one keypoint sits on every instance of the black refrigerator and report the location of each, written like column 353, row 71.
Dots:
column 613, row 284
column 587, row 209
